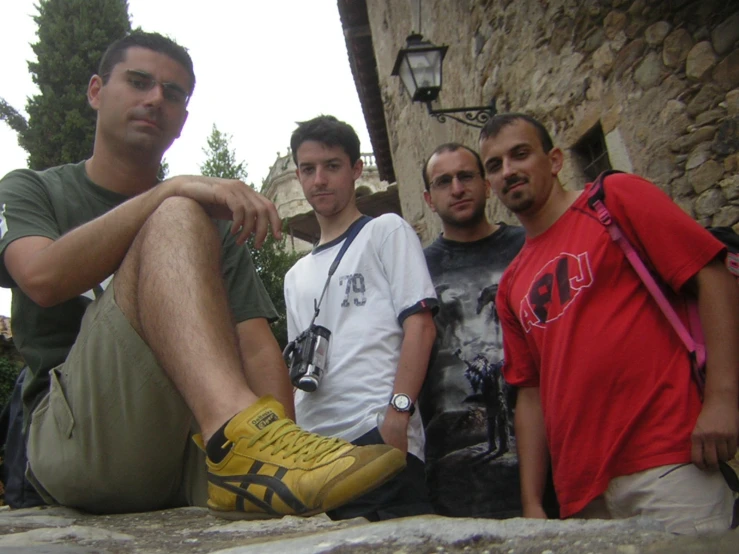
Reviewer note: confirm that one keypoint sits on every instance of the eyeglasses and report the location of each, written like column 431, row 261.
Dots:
column 443, row 182
column 144, row 82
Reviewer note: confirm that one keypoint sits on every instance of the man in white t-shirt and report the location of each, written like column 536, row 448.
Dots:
column 378, row 307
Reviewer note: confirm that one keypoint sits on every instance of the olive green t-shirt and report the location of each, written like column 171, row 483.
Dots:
column 49, row 204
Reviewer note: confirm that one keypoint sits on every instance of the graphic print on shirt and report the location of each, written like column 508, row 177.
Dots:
column 472, row 467
column 554, row 288
column 471, row 463
column 354, row 289
column 487, row 379
column 469, row 332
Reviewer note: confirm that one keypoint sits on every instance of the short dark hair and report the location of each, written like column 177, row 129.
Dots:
column 496, row 123
column 449, row 147
column 116, row 53
column 327, row 130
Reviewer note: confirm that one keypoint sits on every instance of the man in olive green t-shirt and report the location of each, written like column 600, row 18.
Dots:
column 144, row 325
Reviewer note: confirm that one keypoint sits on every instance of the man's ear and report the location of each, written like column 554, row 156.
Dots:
column 429, row 201
column 93, row 91
column 357, row 169
column 556, row 158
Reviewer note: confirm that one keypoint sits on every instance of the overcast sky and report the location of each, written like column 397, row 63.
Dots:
column 260, row 67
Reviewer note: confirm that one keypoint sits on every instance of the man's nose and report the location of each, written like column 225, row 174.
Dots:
column 155, row 95
column 457, row 187
column 320, row 175
column 509, row 168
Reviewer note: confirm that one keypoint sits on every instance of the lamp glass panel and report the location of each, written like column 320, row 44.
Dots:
column 406, row 76
column 426, row 68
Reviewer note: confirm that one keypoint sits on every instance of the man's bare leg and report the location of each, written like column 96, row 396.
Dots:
column 171, row 290
column 264, row 365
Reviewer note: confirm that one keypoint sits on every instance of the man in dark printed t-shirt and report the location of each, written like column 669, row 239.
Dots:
column 467, row 409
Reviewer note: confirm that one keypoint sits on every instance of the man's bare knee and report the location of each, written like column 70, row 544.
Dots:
column 177, row 212
column 173, row 226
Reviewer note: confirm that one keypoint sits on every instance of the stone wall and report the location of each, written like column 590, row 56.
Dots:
column 662, row 79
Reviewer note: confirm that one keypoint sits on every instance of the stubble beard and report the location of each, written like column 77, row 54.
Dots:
column 473, row 220
column 519, row 202
column 146, row 146
column 327, row 210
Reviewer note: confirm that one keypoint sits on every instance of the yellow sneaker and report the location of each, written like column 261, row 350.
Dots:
column 274, row 468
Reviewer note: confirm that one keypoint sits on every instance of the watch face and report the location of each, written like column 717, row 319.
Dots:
column 401, row 402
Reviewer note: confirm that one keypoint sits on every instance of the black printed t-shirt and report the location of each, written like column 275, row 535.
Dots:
column 467, row 408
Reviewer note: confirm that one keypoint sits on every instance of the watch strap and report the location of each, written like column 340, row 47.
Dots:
column 411, row 406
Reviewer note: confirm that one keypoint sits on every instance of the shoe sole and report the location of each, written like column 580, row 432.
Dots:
column 394, row 456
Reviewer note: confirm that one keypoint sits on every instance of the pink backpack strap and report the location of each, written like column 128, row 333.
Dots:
column 693, row 339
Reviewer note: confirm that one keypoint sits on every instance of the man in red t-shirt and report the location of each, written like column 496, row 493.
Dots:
column 605, row 388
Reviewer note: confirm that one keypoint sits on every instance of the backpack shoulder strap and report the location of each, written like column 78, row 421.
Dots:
column 597, row 193
column 696, row 348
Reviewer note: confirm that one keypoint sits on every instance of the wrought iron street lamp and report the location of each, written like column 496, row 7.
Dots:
column 419, row 67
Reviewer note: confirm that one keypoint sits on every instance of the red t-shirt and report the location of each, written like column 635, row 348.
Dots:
column 615, row 379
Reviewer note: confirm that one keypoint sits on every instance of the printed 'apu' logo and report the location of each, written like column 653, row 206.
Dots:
column 555, row 286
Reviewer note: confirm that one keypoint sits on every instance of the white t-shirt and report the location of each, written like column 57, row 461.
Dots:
column 380, row 281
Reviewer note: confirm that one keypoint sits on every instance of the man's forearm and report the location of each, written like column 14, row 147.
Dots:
column 714, row 437
column 718, row 305
column 418, row 340
column 51, row 272
column 419, row 333
column 533, row 455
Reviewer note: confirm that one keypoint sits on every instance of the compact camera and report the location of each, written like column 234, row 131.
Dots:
column 306, row 357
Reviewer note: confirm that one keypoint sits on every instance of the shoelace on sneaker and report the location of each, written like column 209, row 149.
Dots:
column 286, row 436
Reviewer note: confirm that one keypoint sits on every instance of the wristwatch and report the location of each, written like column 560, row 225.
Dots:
column 402, row 403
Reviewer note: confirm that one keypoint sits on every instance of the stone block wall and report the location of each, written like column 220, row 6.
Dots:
column 661, row 78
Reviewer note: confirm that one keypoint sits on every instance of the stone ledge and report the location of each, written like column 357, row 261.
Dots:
column 192, row 530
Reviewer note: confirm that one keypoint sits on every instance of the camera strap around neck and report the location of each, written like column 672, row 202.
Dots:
column 351, row 235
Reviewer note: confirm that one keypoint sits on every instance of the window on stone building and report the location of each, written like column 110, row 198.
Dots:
column 591, row 153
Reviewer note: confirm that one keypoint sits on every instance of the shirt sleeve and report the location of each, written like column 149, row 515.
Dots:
column 405, row 266
column 25, row 210
column 519, row 366
column 246, row 293
column 676, row 246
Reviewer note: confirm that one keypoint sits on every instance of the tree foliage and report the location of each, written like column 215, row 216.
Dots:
column 163, row 172
column 72, row 37
column 9, row 370
column 12, row 117
column 221, row 159
column 273, row 259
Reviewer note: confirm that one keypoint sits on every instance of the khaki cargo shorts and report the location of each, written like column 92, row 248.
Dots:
column 685, row 499
column 113, row 434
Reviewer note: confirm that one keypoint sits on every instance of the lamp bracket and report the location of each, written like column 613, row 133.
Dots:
column 475, row 116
